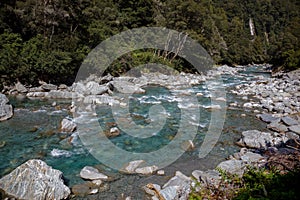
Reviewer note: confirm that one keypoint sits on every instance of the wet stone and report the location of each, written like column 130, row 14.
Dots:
column 289, row 121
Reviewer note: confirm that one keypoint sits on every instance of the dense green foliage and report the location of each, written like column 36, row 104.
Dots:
column 270, row 185
column 257, row 184
column 48, row 39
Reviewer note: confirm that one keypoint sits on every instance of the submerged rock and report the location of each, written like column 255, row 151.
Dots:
column 6, row 110
column 114, row 131
column 187, row 145
column 88, row 188
column 35, row 180
column 2, row 144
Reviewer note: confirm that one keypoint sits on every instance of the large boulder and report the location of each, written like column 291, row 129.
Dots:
column 94, row 88
column 6, row 110
column 34, row 180
column 126, row 87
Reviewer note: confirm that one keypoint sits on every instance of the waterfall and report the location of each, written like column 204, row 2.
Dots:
column 252, row 27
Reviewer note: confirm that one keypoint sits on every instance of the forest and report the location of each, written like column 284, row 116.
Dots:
column 48, row 39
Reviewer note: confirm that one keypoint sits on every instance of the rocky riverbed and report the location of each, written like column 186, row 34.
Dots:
column 250, row 97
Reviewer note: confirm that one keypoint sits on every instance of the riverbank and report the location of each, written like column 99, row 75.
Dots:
column 181, row 86
column 276, row 100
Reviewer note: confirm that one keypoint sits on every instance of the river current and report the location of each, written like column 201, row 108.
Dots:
column 33, row 132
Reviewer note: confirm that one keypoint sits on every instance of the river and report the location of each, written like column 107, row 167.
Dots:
column 33, row 132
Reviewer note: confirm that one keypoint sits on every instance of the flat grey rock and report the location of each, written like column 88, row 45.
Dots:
column 295, row 129
column 277, row 127
column 253, row 158
column 268, row 118
column 289, row 121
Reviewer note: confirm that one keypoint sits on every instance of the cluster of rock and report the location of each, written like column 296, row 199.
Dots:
column 274, row 95
column 99, row 89
column 281, row 97
column 255, row 143
column 94, row 182
column 179, row 186
column 287, row 126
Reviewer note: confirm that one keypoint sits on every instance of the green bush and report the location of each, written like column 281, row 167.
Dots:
column 257, row 184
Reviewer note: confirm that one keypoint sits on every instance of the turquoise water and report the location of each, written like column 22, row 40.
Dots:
column 33, row 132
